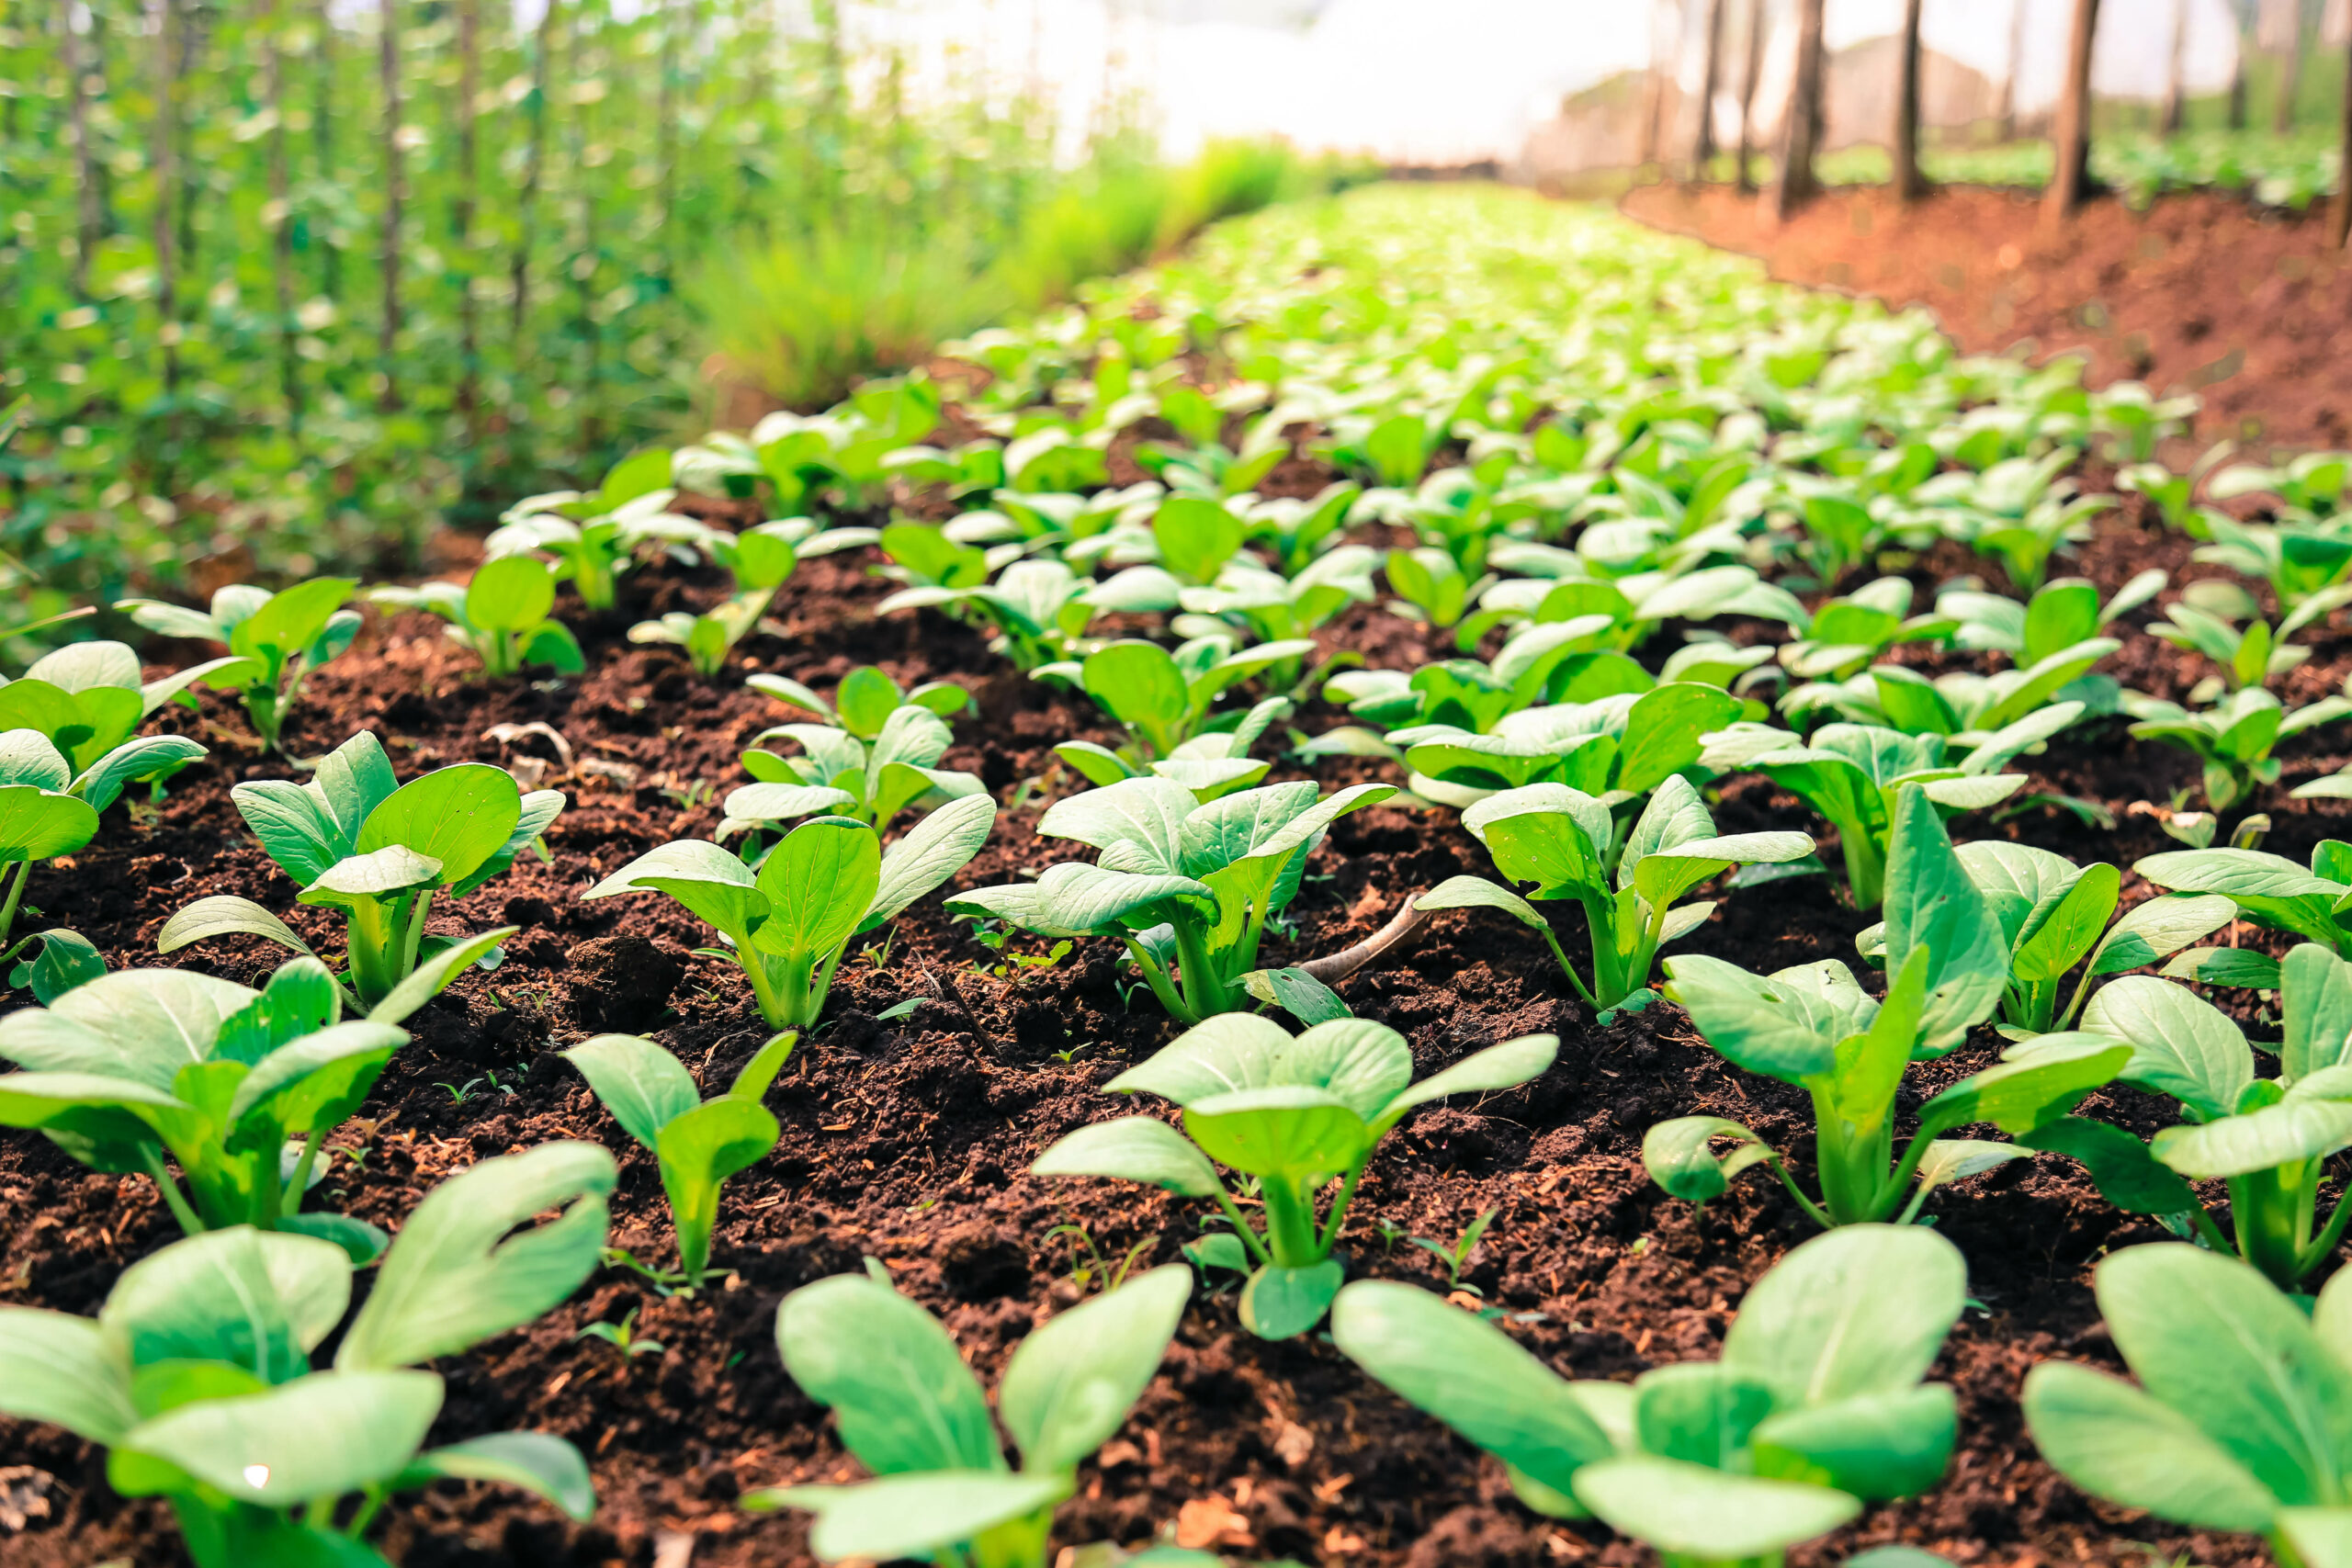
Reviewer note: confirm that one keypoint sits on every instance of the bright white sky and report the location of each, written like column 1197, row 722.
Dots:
column 1448, row 81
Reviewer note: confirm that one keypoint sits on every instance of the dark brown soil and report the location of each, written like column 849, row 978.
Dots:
column 2251, row 309
column 908, row 1140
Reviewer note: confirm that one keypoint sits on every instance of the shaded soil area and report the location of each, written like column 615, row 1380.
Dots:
column 908, row 1140
column 2249, row 308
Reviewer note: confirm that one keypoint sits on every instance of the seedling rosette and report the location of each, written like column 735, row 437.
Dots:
column 274, row 640
column 1814, row 1026
column 355, row 839
column 502, row 615
column 913, row 1413
column 196, row 1375
column 1294, row 1114
column 1187, row 887
column 788, row 923
column 1560, row 839
column 1817, row 1408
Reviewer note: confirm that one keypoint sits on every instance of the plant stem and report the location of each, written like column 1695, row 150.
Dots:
column 1331, row 1231
column 1290, row 1222
column 154, row 1157
column 289, row 1200
column 1203, row 991
column 15, row 896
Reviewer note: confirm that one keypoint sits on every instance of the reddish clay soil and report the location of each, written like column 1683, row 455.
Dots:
column 2250, row 309
column 908, row 1141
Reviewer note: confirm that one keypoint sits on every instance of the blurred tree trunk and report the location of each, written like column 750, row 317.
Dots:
column 2176, row 75
column 461, row 225
column 1795, row 183
column 1654, row 89
column 2340, row 216
column 1703, row 148
column 2071, row 138
column 323, row 100
column 86, row 228
column 2291, row 86
column 281, row 225
column 388, row 71
column 166, row 154
column 526, row 202
column 1909, row 183
column 2009, row 115
column 1754, row 69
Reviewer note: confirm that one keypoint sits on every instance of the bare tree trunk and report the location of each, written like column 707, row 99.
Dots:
column 2291, row 84
column 467, row 196
column 281, row 238
column 1702, row 151
column 1796, row 183
column 2339, row 217
column 527, row 200
column 388, row 69
column 86, row 220
column 1909, row 182
column 2176, row 75
column 2071, row 140
column 1754, row 69
column 167, row 66
column 2010, row 78
column 323, row 99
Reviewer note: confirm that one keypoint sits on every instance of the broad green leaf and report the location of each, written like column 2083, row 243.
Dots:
column 225, row 914
column 59, row 1370
column 1144, row 815
column 1477, row 893
column 905, row 1400
column 1133, row 1148
column 1280, row 1303
column 546, row 1466
column 2160, row 926
column 1694, row 1512
column 38, row 824
column 2296, row 1129
column 1287, row 1130
column 929, row 853
column 1070, row 1384
column 137, row 761
column 1876, row 1446
column 2316, row 993
column 455, row 1276
column 1933, row 906
column 1785, row 1026
column 431, row 977
column 1076, row 899
column 2126, row 1174
column 510, row 593
column 1861, row 1310
column 1470, row 1375
column 318, row 1437
column 2181, row 1046
column 714, row 884
column 1679, row 1157
column 2116, row 1442
column 2068, row 929
column 2211, row 1338
column 1507, row 1066
column 643, row 1085
column 458, row 815
column 905, row 1515
column 2019, row 1095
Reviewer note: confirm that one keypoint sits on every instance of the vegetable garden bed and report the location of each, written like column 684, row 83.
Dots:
column 943, row 1068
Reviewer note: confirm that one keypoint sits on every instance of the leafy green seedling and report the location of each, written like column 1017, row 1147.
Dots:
column 87, row 701
column 2268, row 1138
column 1852, row 774
column 2055, row 914
column 1560, row 839
column 1163, row 699
column 1621, row 748
column 826, row 881
column 2234, row 1423
column 1849, row 632
column 239, row 1086
column 1186, row 886
column 60, row 960
column 624, row 1337
column 2233, row 740
column 1816, row 1408
column 1039, row 608
column 1455, row 1254
column 759, row 560
column 196, row 1375
column 1634, row 606
column 1962, row 706
column 2270, row 890
column 1296, row 1115
column 864, row 700
column 2303, row 560
column 1214, row 762
column 1295, row 532
column 355, row 839
column 1814, row 1027
column 1430, row 588
column 2246, row 655
column 839, row 772
column 501, row 617
column 276, row 640
column 699, row 1143
column 594, row 534
column 40, row 817
column 913, row 1413
column 2061, row 613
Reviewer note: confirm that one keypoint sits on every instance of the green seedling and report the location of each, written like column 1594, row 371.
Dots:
column 354, row 839
column 2270, row 890
column 196, row 1375
column 274, row 639
column 2233, row 740
column 699, row 1143
column 1296, row 1115
column 501, row 617
column 840, row 773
